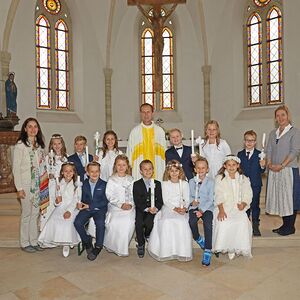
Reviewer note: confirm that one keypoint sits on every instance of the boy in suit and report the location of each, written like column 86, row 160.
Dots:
column 142, row 198
column 79, row 157
column 180, row 152
column 93, row 205
column 252, row 167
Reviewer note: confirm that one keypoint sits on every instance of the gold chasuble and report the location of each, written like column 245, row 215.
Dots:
column 147, row 142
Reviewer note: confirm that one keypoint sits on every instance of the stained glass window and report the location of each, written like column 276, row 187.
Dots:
column 148, row 94
column 61, row 65
column 166, row 99
column 53, row 55
column 274, row 46
column 254, row 59
column 167, row 96
column 43, row 62
column 264, row 52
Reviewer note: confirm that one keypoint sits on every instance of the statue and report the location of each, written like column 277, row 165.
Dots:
column 11, row 95
column 157, row 20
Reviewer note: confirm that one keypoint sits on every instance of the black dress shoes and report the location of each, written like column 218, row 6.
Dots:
column 256, row 231
column 284, row 232
column 140, row 251
column 277, row 229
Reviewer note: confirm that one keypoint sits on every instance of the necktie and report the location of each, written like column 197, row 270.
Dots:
column 248, row 154
column 179, row 148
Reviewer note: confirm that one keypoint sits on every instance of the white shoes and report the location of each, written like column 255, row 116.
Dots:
column 231, row 255
column 66, row 251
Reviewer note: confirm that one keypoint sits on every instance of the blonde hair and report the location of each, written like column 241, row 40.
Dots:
column 218, row 137
column 222, row 170
column 250, row 132
column 57, row 136
column 173, row 130
column 201, row 159
column 124, row 158
column 284, row 108
column 68, row 164
column 173, row 164
column 80, row 138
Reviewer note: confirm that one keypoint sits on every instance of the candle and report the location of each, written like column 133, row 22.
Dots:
column 57, row 187
column 180, row 192
column 196, row 187
column 78, row 184
column 240, row 200
column 263, row 140
column 51, row 153
column 97, row 137
column 192, row 139
column 152, row 186
column 87, row 155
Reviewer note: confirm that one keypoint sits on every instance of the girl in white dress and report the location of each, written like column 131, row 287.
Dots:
column 108, row 154
column 171, row 237
column 214, row 149
column 59, row 229
column 232, row 230
column 56, row 157
column 106, row 159
column 120, row 218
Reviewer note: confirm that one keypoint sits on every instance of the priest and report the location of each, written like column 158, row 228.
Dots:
column 147, row 141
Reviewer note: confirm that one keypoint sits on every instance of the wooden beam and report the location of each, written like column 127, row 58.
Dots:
column 154, row 2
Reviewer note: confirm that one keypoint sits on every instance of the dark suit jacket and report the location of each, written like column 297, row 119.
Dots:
column 78, row 165
column 185, row 159
column 98, row 200
column 142, row 198
column 251, row 167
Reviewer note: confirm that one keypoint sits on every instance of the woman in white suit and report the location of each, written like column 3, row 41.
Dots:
column 29, row 170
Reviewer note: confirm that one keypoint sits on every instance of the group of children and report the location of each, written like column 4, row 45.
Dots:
column 105, row 204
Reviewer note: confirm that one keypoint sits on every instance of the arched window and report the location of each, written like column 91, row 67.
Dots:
column 53, row 55
column 264, row 52
column 166, row 99
column 43, row 67
column 274, row 60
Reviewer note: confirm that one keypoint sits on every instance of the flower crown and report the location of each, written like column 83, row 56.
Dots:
column 56, row 136
column 177, row 165
column 231, row 157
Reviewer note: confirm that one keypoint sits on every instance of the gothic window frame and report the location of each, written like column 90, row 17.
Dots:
column 56, row 88
column 262, row 9
column 158, row 103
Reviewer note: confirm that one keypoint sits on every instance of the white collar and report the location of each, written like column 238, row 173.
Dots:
column 285, row 130
column 147, row 126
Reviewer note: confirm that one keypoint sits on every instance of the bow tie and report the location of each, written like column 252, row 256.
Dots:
column 179, row 148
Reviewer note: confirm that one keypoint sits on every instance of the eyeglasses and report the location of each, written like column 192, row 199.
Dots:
column 250, row 141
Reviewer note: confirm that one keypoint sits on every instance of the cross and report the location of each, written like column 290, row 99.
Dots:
column 157, row 21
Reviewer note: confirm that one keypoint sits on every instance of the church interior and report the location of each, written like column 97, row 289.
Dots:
column 102, row 85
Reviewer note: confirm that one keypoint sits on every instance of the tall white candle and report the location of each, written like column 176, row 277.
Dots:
column 87, row 155
column 97, row 137
column 240, row 200
column 57, row 181
column 78, row 184
column 196, row 187
column 263, row 140
column 192, row 139
column 152, row 186
column 180, row 192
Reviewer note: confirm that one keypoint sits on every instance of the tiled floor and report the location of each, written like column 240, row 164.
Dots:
column 272, row 273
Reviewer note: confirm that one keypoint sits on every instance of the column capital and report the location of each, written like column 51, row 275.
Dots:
column 206, row 69
column 107, row 72
column 5, row 57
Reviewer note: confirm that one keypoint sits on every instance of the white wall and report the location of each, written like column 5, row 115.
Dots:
column 224, row 20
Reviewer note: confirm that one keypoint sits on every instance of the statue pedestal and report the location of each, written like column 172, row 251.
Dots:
column 7, row 139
